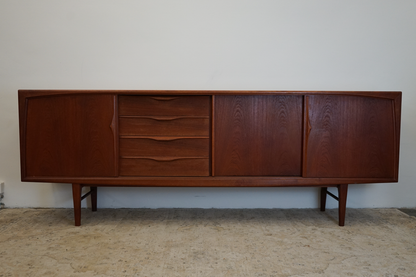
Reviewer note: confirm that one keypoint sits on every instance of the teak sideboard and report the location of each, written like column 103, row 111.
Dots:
column 209, row 139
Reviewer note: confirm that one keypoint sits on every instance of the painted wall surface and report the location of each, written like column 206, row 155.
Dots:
column 216, row 44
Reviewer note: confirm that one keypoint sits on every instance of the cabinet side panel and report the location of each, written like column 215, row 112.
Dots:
column 70, row 136
column 350, row 136
column 258, row 135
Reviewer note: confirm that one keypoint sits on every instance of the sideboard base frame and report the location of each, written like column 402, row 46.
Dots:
column 78, row 197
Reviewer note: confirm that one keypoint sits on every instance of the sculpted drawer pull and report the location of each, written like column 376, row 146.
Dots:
column 162, row 159
column 162, row 138
column 166, row 118
column 161, row 98
column 160, row 118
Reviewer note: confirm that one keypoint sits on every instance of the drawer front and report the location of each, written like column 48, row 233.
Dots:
column 164, row 126
column 164, row 105
column 160, row 146
column 164, row 167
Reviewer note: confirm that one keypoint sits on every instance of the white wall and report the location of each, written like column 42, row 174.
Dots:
column 215, row 44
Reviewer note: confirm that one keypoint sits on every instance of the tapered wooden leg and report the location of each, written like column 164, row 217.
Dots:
column 76, row 196
column 323, row 198
column 93, row 199
column 342, row 204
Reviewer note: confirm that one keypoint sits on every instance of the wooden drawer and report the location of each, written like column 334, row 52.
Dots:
column 164, row 105
column 164, row 126
column 158, row 166
column 165, row 146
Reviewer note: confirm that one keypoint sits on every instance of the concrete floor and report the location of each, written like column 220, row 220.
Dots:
column 198, row 242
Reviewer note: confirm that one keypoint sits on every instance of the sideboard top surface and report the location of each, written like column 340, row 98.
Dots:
column 44, row 92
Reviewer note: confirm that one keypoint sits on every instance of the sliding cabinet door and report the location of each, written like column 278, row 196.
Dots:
column 350, row 136
column 257, row 135
column 69, row 136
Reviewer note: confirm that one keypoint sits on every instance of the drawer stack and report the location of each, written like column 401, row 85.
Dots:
column 164, row 135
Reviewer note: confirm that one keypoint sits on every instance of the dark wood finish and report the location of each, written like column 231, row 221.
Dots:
column 164, row 166
column 164, row 126
column 342, row 203
column 70, row 135
column 172, row 93
column 211, row 181
column 209, row 139
column 323, row 198
column 350, row 136
column 164, row 146
column 94, row 199
column 306, row 130
column 212, row 130
column 164, row 105
column 164, row 135
column 76, row 196
column 341, row 198
column 258, row 135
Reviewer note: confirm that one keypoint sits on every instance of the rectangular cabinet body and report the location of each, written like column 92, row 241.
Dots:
column 209, row 138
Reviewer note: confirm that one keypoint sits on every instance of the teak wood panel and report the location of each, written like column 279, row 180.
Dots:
column 258, row 135
column 165, row 146
column 164, row 135
column 164, row 105
column 350, row 136
column 164, row 126
column 164, row 166
column 71, row 135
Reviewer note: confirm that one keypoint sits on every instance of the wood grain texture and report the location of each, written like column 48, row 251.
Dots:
column 179, row 138
column 76, row 198
column 342, row 203
column 350, row 136
column 70, row 135
column 258, row 135
column 164, row 166
column 171, row 93
column 164, row 146
column 210, row 181
column 212, row 135
column 164, row 126
column 164, row 135
column 26, row 97
column 164, row 105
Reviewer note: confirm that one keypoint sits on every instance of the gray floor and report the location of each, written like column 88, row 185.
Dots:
column 411, row 212
column 198, row 242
